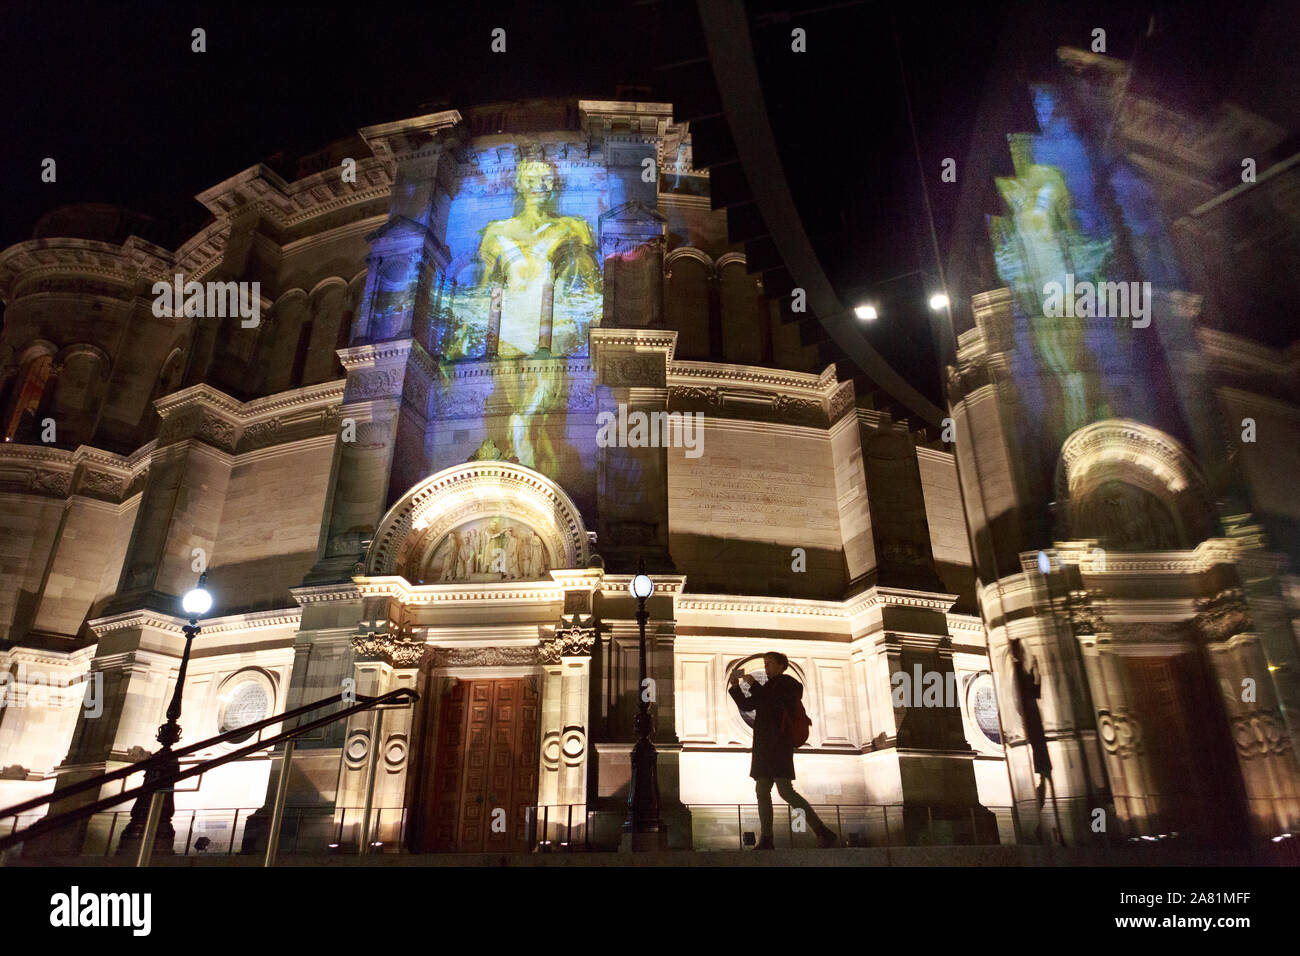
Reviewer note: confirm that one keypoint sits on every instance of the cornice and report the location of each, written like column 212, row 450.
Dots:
column 367, row 356
column 717, row 373
column 560, row 366
column 122, row 265
column 1204, row 557
column 146, row 617
column 238, row 428
column 17, row 652
column 89, row 472
column 395, row 586
column 260, row 190
column 325, row 593
column 640, row 340
column 836, row 610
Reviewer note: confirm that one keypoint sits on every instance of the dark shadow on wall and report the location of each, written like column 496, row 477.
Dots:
column 958, row 579
column 735, row 566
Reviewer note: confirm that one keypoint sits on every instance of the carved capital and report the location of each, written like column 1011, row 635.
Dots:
column 572, row 639
column 374, row 643
column 1223, row 616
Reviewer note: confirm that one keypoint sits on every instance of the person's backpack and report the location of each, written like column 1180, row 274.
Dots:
column 795, row 724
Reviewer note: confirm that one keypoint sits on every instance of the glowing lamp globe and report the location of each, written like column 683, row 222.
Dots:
column 197, row 601
column 938, row 301
column 641, row 587
column 865, row 312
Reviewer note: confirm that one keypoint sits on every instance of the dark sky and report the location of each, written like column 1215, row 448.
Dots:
column 133, row 117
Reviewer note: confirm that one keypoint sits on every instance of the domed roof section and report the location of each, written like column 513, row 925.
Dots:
column 102, row 222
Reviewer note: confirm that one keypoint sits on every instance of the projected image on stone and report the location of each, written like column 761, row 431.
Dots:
column 526, row 277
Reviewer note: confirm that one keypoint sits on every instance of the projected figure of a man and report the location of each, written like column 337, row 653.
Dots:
column 525, row 257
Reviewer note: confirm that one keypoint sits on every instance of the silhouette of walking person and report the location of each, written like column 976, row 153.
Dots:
column 773, row 757
column 1029, row 689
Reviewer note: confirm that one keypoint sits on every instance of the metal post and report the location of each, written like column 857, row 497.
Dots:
column 371, row 772
column 108, row 844
column 277, row 811
column 151, row 827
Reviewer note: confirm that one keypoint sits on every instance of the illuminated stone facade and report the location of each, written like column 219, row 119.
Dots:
column 390, row 487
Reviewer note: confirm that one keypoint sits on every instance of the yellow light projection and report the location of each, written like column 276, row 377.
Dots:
column 526, row 258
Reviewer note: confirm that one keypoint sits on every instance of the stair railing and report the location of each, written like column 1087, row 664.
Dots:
column 165, row 782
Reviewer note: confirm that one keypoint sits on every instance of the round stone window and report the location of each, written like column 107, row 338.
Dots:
column 247, row 702
column 982, row 702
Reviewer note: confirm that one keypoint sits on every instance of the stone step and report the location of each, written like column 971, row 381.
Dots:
column 979, row 856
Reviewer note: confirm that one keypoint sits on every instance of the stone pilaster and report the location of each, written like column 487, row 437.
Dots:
column 386, row 659
column 631, row 482
column 380, row 450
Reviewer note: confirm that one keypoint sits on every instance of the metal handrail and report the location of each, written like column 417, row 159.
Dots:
column 166, row 780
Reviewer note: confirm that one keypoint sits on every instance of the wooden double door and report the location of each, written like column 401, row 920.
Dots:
column 482, row 777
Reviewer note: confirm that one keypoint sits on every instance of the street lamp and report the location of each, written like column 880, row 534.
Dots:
column 152, row 813
column 938, row 302
column 643, row 828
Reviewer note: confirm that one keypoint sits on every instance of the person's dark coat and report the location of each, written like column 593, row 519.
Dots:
column 773, row 757
column 1029, row 689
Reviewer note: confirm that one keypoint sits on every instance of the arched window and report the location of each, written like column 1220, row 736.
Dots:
column 686, row 302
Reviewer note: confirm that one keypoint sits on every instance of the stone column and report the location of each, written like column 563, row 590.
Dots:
column 1264, row 748
column 566, row 691
column 386, row 659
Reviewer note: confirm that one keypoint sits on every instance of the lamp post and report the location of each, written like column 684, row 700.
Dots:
column 149, row 812
column 643, row 829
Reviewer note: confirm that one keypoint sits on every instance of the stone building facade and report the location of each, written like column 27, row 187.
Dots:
column 389, row 487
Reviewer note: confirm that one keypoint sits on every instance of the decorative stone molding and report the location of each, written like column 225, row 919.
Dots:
column 1260, row 734
column 575, row 638
column 394, row 651
column 484, row 656
column 1084, row 618
column 1223, row 616
column 56, row 483
column 446, row 500
column 692, row 393
column 1124, row 440
column 426, row 594
column 841, row 400
column 374, row 383
column 223, row 422
column 1120, row 734
column 233, row 623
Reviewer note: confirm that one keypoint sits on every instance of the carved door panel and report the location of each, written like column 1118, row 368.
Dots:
column 485, row 771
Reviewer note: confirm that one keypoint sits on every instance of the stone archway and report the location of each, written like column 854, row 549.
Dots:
column 516, row 495
column 1128, row 481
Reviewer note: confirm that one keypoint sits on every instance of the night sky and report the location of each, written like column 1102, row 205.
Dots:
column 134, row 118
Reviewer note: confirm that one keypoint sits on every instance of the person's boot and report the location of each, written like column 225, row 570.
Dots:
column 827, row 838
column 765, row 843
